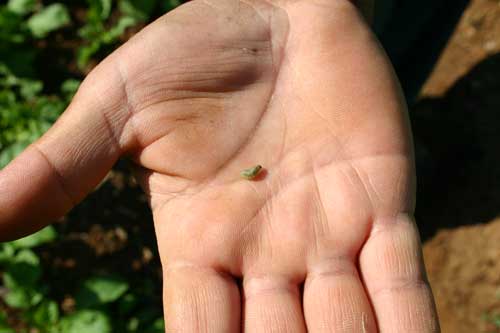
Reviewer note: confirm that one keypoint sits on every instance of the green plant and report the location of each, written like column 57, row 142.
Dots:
column 25, row 111
column 17, row 27
column 492, row 318
column 100, row 30
column 96, row 298
column 31, row 100
column 96, row 32
column 22, row 270
column 25, row 114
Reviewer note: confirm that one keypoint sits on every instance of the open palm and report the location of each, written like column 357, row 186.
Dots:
column 323, row 239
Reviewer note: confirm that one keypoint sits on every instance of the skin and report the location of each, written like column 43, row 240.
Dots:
column 326, row 242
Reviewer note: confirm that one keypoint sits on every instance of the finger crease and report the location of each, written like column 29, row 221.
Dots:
column 400, row 285
column 58, row 176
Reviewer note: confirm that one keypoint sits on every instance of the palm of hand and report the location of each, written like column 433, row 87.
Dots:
column 212, row 89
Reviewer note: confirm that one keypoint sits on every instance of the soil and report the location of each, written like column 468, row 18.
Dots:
column 457, row 122
column 464, row 270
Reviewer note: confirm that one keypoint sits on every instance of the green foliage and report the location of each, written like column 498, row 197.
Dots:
column 46, row 315
column 24, row 114
column 100, row 290
column 49, row 19
column 98, row 32
column 89, row 321
column 25, row 111
column 20, row 277
column 492, row 318
column 97, row 296
column 31, row 100
column 21, row 7
column 44, row 236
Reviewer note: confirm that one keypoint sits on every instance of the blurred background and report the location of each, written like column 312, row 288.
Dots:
column 97, row 270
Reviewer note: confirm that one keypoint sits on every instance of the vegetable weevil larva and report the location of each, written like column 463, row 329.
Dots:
column 251, row 173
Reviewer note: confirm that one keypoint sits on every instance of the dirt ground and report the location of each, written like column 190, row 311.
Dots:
column 458, row 123
column 464, row 270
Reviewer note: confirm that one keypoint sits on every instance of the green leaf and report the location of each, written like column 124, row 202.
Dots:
column 44, row 236
column 20, row 280
column 18, row 299
column 21, row 7
column 49, row 109
column 97, row 36
column 86, row 321
column 101, row 290
column 70, row 87
column 6, row 253
column 98, row 10
column 30, row 88
column 158, row 326
column 85, row 53
column 50, row 18
column 115, row 32
column 23, row 271
column 105, row 8
column 133, row 324
column 46, row 314
column 23, row 298
column 139, row 9
column 11, row 152
column 91, row 30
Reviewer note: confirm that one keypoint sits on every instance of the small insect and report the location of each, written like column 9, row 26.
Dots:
column 251, row 173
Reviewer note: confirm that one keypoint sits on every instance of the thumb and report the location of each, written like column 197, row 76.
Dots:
column 61, row 168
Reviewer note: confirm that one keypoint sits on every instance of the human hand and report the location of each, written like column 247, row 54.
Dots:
column 323, row 239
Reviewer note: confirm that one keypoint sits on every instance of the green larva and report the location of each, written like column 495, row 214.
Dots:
column 252, row 172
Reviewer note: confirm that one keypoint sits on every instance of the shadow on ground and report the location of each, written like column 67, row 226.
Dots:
column 458, row 151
